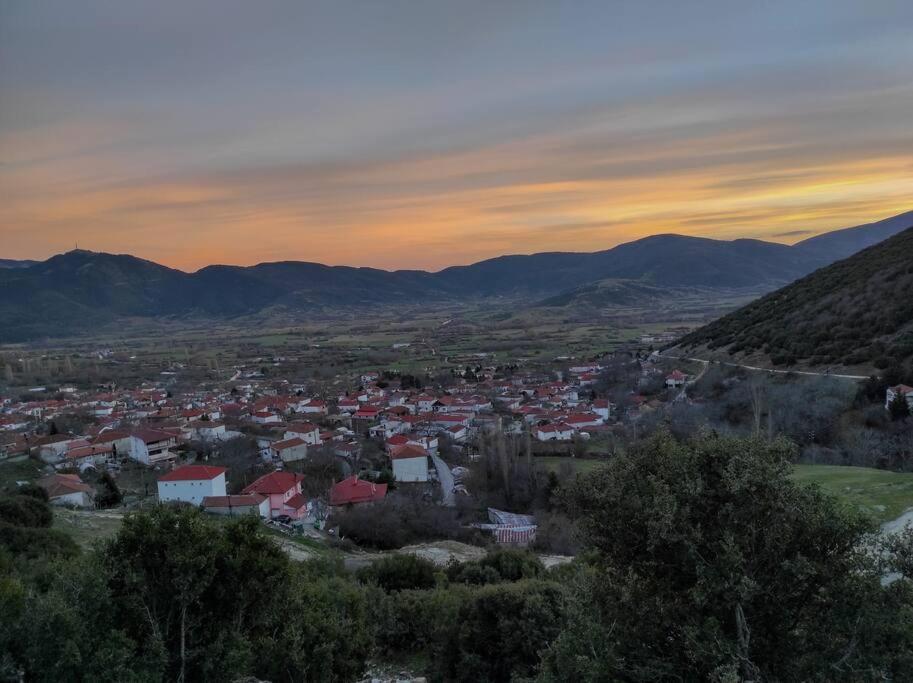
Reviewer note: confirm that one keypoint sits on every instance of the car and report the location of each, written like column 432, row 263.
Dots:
column 283, row 519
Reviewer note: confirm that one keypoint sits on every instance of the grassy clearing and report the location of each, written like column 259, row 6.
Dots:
column 884, row 495
column 87, row 527
column 23, row 470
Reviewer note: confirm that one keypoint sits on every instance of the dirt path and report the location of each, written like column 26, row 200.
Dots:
column 770, row 370
column 898, row 524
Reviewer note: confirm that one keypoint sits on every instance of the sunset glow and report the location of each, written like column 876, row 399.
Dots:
column 432, row 137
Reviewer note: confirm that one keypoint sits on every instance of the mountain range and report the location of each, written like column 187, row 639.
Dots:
column 857, row 312
column 79, row 290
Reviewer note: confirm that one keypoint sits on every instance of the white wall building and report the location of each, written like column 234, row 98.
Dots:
column 191, row 484
column 410, row 463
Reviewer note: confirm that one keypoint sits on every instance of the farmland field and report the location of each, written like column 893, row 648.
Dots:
column 885, row 495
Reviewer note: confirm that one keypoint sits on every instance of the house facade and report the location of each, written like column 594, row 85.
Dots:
column 410, row 463
column 283, row 490
column 191, row 484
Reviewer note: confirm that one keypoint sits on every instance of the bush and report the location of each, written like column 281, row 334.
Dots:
column 400, row 572
column 501, row 631
column 412, row 620
column 400, row 521
column 25, row 511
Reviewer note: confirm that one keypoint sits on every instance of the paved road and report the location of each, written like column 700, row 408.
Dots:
column 770, row 370
column 445, row 476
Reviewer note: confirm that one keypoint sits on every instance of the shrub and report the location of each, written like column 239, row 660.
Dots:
column 400, row 572
column 25, row 511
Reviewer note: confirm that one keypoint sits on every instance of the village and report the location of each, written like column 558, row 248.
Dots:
column 301, row 459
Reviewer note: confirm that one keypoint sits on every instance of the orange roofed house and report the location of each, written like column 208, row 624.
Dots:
column 410, row 463
column 191, row 484
column 284, row 492
column 353, row 491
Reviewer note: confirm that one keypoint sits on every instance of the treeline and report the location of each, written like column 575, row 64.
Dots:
column 703, row 561
column 854, row 312
column 832, row 421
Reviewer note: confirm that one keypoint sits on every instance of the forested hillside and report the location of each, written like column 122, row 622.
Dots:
column 858, row 311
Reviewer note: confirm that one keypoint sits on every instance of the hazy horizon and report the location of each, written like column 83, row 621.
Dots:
column 77, row 247
column 419, row 136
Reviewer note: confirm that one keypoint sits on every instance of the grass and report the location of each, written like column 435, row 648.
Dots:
column 23, row 470
column 885, row 495
column 87, row 527
column 882, row 494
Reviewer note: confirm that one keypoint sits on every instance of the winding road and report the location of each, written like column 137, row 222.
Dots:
column 770, row 370
column 445, row 476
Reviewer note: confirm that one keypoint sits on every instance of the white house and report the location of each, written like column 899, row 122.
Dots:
column 903, row 390
column 148, row 446
column 207, row 430
column 554, row 432
column 265, row 417
column 602, row 408
column 581, row 420
column 191, row 484
column 410, row 463
column 88, row 456
column 307, row 432
column 313, row 406
column 67, row 489
column 675, row 379
column 235, row 506
column 456, row 433
column 289, row 450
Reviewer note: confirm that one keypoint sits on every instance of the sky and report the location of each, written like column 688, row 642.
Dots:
column 425, row 134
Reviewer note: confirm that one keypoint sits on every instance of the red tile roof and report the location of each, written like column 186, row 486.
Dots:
column 274, row 482
column 193, row 473
column 295, row 502
column 63, row 484
column 288, row 443
column 355, row 490
column 408, row 451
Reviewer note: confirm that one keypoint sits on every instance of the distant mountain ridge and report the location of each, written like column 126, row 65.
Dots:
column 855, row 312
column 13, row 263
column 79, row 290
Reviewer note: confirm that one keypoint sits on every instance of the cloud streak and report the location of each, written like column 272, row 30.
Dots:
column 406, row 145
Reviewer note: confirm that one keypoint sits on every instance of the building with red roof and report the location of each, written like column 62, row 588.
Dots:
column 899, row 390
column 410, row 463
column 234, row 506
column 191, row 484
column 284, row 492
column 676, row 378
column 354, row 491
column 67, row 489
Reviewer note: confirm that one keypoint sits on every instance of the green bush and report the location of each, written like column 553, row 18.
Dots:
column 25, row 511
column 400, row 572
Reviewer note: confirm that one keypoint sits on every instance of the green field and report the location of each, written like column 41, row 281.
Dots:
column 885, row 495
column 87, row 527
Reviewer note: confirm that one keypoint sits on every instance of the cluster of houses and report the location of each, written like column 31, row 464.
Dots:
column 147, row 424
column 275, row 495
column 150, row 426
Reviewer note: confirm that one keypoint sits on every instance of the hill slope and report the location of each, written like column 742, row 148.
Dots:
column 856, row 312
column 840, row 244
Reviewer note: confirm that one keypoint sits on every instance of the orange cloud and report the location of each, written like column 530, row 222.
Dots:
column 429, row 211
